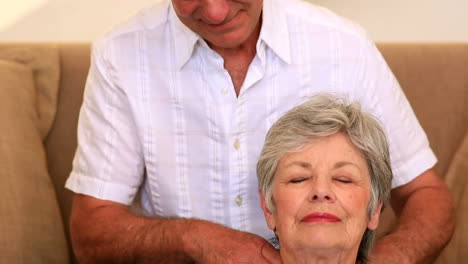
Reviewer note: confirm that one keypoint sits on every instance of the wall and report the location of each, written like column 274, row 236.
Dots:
column 85, row 20
column 407, row 20
column 63, row 20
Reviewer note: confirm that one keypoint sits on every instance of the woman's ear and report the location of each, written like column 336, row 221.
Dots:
column 270, row 219
column 374, row 218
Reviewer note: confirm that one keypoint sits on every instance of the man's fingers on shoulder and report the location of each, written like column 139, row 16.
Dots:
column 270, row 253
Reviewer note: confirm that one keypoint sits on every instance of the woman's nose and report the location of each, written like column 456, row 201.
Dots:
column 321, row 191
column 214, row 11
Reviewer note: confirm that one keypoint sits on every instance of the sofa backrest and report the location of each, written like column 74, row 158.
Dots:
column 61, row 141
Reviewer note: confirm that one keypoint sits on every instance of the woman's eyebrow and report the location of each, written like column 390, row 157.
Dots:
column 347, row 163
column 302, row 164
column 307, row 165
column 344, row 163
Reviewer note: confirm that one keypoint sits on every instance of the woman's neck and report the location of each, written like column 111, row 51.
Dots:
column 318, row 256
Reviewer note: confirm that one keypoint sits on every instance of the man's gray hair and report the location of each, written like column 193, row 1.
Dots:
column 324, row 115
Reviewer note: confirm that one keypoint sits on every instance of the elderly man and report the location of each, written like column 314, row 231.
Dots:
column 177, row 105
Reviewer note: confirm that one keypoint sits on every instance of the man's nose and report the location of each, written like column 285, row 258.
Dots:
column 321, row 191
column 215, row 11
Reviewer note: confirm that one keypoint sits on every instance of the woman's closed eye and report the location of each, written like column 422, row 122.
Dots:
column 298, row 180
column 343, row 179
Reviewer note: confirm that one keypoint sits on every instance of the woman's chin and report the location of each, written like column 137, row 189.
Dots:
column 320, row 239
column 320, row 249
column 321, row 244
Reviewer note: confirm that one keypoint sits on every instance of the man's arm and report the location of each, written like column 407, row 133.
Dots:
column 425, row 222
column 106, row 232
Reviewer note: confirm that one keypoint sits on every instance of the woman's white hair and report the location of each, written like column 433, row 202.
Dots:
column 321, row 116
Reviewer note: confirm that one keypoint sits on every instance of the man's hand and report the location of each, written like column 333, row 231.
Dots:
column 425, row 222
column 210, row 243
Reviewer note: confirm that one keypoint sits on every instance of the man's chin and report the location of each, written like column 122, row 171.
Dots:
column 225, row 43
column 228, row 40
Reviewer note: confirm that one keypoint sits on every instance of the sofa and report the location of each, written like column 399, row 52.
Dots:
column 41, row 89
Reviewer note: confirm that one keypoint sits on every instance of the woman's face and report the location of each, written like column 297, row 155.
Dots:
column 321, row 195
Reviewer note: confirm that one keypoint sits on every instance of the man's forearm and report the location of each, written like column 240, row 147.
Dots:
column 106, row 232
column 110, row 234
column 425, row 225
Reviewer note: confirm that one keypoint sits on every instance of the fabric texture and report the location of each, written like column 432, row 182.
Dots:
column 457, row 181
column 44, row 62
column 31, row 227
column 60, row 144
column 160, row 109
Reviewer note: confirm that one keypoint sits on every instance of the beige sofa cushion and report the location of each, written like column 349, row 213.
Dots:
column 31, row 229
column 457, row 181
column 44, row 62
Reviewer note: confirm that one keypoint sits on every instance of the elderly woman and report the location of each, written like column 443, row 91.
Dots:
column 324, row 176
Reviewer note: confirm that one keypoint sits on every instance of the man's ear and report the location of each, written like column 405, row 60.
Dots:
column 374, row 218
column 268, row 214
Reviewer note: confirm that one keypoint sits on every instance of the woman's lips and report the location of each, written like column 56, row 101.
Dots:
column 321, row 217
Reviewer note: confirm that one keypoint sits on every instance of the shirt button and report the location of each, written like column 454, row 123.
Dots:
column 237, row 144
column 238, row 200
column 224, row 91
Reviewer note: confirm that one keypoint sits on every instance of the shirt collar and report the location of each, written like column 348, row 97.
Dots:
column 274, row 33
column 274, row 30
column 184, row 39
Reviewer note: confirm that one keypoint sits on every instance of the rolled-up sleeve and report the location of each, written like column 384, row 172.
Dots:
column 108, row 162
column 410, row 152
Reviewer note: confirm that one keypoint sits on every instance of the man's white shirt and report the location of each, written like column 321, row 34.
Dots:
column 160, row 111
